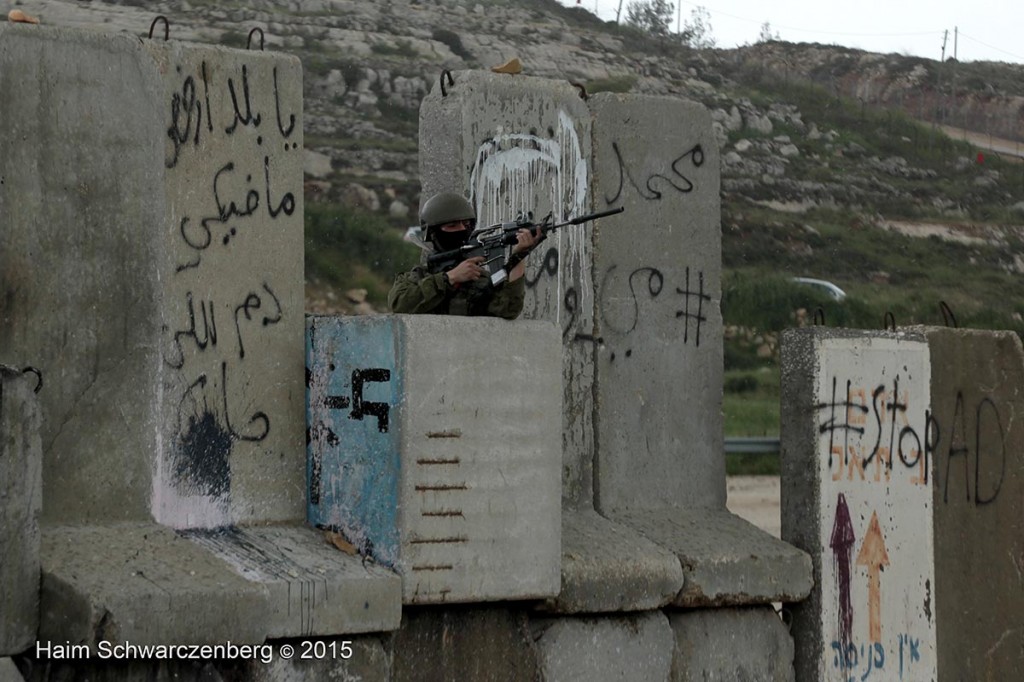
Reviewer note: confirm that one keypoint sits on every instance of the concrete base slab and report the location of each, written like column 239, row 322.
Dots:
column 726, row 560
column 312, row 588
column 147, row 584
column 609, row 567
column 468, row 644
column 638, row 647
column 731, row 644
column 360, row 659
column 21, row 495
column 9, row 672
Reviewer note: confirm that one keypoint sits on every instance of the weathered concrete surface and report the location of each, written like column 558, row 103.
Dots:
column 609, row 567
column 725, row 559
column 368, row 660
column 145, row 583
column 657, row 273
column 312, row 588
column 21, row 461
column 163, row 182
column 471, row 644
column 731, row 644
column 977, row 453
column 422, row 459
column 9, row 672
column 517, row 144
column 855, row 433
column 634, row 647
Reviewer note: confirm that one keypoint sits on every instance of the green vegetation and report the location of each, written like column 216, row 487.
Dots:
column 348, row 249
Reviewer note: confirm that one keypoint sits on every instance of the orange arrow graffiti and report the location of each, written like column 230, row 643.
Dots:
column 873, row 555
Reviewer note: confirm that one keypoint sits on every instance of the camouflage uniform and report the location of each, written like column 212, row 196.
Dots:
column 418, row 291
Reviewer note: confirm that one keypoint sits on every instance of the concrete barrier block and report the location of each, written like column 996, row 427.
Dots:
column 312, row 588
column 21, row 493
column 177, row 170
column 609, row 567
column 635, row 647
column 9, row 672
column 977, row 450
column 147, row 584
column 856, row 496
column 470, row 643
column 357, row 659
column 731, row 644
column 725, row 559
column 657, row 276
column 434, row 447
column 522, row 144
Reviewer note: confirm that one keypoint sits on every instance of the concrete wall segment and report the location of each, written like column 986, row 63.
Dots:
column 516, row 144
column 731, row 644
column 872, row 507
column 200, row 149
column 71, row 130
column 657, row 269
column 977, row 443
column 21, row 492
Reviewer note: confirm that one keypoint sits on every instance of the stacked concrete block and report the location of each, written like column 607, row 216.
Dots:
column 731, row 644
column 976, row 446
column 857, row 496
column 519, row 145
column 659, row 465
column 169, row 199
column 162, row 183
column 434, row 448
column 20, row 502
column 626, row 647
column 637, row 298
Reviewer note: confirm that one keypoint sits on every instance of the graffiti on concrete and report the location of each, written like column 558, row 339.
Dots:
column 866, row 427
column 871, row 417
column 652, row 188
column 222, row 160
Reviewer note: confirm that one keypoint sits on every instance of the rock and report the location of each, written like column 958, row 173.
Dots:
column 878, row 277
column 789, row 150
column 398, row 210
column 813, row 133
column 764, row 351
column 742, row 145
column 315, row 164
column 732, row 159
column 1018, row 207
column 760, row 124
column 357, row 196
column 782, row 139
column 356, row 295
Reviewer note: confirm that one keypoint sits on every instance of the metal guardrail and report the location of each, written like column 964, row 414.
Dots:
column 753, row 445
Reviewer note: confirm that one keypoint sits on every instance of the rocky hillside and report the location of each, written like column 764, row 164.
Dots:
column 820, row 145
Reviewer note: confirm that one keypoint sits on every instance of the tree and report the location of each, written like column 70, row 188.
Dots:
column 766, row 33
column 697, row 30
column 650, row 16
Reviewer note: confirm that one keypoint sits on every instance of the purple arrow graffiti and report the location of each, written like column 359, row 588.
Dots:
column 841, row 544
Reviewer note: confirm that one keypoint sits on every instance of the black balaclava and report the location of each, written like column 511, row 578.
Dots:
column 448, row 241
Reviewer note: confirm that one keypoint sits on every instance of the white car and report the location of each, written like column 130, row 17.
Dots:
column 831, row 289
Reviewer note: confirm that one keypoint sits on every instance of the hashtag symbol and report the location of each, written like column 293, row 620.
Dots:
column 689, row 298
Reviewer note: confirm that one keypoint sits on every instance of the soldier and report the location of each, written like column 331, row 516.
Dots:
column 447, row 220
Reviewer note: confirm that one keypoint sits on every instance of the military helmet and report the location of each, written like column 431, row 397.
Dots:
column 446, row 207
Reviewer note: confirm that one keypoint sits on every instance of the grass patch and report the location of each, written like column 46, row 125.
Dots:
column 348, row 249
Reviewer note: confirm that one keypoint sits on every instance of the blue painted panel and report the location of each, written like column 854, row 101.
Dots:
column 353, row 391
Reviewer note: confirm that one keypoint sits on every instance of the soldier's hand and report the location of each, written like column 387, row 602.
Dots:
column 467, row 271
column 526, row 240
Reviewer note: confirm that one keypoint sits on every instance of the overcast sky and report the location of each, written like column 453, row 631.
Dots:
column 989, row 29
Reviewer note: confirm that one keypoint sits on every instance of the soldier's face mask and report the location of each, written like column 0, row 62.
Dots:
column 451, row 236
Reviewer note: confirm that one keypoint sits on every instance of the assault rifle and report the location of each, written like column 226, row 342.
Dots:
column 493, row 242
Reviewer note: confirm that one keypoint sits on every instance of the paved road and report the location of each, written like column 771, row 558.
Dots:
column 756, row 499
column 995, row 144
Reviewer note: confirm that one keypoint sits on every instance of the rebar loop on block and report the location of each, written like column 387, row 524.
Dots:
column 39, row 378
column 583, row 90
column 248, row 43
column 889, row 321
column 948, row 316
column 167, row 27
column 819, row 317
column 451, row 81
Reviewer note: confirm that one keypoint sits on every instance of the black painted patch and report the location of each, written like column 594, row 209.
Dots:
column 202, row 458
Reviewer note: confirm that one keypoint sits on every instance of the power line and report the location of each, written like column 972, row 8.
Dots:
column 992, row 47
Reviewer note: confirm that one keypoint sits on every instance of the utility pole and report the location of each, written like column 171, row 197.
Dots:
column 952, row 88
column 679, row 17
column 942, row 66
column 618, row 13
